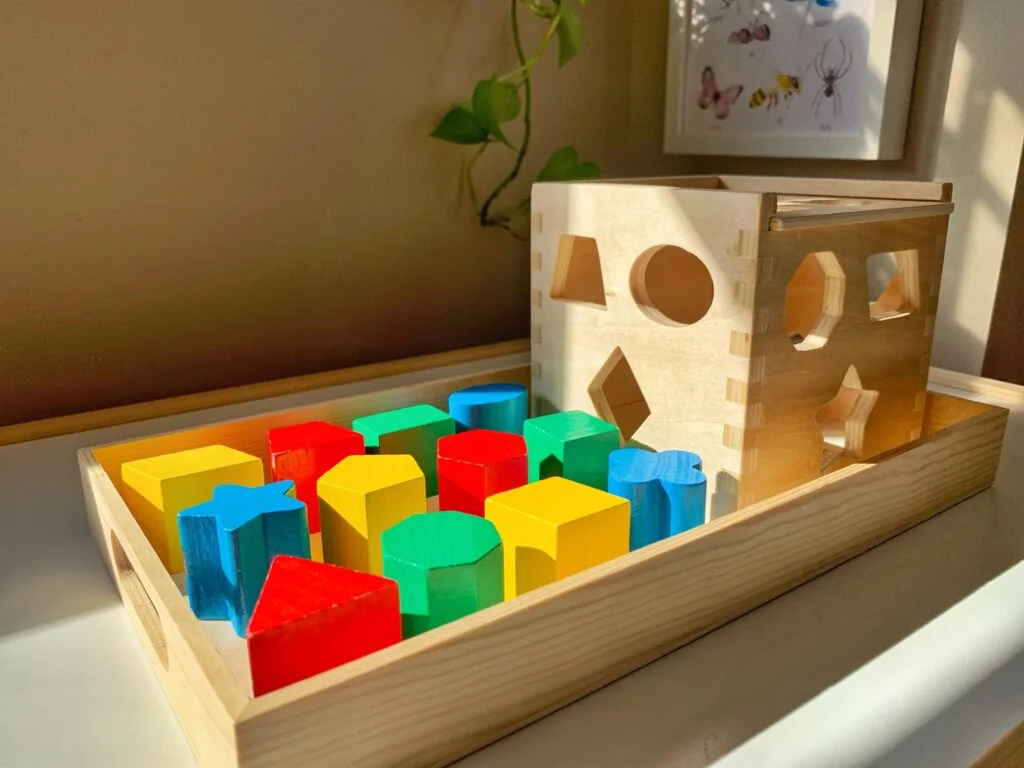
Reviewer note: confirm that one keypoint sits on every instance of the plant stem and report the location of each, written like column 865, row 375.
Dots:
column 525, row 65
column 469, row 174
column 485, row 219
column 540, row 9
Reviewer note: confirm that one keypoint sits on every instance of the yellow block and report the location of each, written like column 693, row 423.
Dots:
column 360, row 498
column 554, row 528
column 165, row 485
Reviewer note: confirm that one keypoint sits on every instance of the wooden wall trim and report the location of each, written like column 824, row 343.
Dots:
column 1007, row 392
column 108, row 417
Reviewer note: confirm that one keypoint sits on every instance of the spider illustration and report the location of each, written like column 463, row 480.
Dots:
column 831, row 72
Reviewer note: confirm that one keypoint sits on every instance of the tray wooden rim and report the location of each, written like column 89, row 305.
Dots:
column 238, row 721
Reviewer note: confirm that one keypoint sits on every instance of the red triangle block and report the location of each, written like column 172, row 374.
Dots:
column 311, row 617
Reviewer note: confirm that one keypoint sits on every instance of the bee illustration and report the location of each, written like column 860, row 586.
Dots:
column 787, row 86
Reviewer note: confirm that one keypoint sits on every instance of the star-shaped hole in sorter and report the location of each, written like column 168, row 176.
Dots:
column 229, row 542
column 843, row 419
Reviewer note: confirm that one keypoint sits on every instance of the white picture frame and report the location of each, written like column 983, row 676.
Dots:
column 785, row 52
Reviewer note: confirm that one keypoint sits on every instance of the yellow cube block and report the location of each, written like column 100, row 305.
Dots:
column 360, row 498
column 162, row 486
column 554, row 528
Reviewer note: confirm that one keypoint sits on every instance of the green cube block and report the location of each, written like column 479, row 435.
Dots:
column 571, row 444
column 413, row 431
column 447, row 565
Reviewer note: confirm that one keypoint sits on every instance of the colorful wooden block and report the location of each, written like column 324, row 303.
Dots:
column 361, row 498
column 476, row 464
column 229, row 542
column 447, row 565
column 501, row 407
column 162, row 486
column 413, row 431
column 311, row 617
column 572, row 444
column 667, row 492
column 554, row 528
column 303, row 452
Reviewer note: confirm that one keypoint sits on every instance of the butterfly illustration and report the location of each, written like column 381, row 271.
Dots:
column 710, row 95
column 745, row 35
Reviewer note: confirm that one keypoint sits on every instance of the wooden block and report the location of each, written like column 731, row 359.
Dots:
column 229, row 542
column 303, row 452
column 572, row 444
column 447, row 565
column 311, row 617
column 414, row 431
column 554, row 528
column 501, row 407
column 361, row 498
column 166, row 484
column 667, row 492
column 476, row 464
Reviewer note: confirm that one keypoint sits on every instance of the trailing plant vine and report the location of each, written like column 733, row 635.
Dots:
column 502, row 99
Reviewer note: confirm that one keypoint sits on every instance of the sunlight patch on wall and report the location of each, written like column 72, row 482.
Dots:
column 1004, row 115
column 961, row 89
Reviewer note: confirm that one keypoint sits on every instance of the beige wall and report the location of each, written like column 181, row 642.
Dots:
column 203, row 194
column 197, row 195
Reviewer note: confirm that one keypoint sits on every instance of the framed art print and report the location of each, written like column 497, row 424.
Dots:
column 790, row 78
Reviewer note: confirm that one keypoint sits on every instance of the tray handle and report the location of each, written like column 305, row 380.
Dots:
column 138, row 600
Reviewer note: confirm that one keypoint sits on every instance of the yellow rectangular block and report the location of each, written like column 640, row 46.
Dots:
column 164, row 485
column 362, row 497
column 554, row 528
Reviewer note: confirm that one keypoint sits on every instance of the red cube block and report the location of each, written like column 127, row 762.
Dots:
column 311, row 617
column 478, row 463
column 303, row 452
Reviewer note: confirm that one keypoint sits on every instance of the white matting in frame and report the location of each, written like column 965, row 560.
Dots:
column 790, row 78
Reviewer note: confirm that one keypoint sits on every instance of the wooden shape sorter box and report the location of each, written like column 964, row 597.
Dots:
column 779, row 328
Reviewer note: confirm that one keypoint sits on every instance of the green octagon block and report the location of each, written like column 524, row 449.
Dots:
column 571, row 444
column 447, row 565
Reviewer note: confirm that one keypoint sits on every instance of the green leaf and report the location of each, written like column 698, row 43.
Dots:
column 460, row 126
column 570, row 36
column 494, row 103
column 561, row 162
column 564, row 165
column 584, row 171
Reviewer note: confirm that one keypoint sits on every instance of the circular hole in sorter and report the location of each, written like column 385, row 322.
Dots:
column 671, row 285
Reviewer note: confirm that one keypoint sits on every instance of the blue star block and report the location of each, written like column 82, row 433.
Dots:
column 229, row 541
column 667, row 492
column 498, row 407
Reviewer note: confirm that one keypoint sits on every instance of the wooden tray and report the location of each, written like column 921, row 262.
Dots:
column 436, row 697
